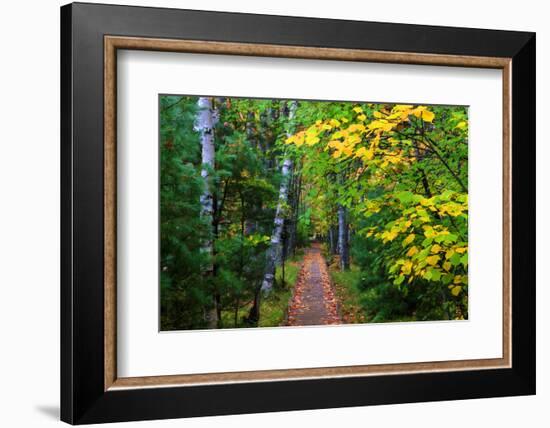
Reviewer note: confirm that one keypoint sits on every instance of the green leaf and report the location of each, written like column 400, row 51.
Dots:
column 436, row 274
column 448, row 278
column 455, row 259
column 399, row 280
column 405, row 197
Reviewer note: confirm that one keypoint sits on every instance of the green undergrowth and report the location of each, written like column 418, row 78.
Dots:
column 272, row 308
column 361, row 303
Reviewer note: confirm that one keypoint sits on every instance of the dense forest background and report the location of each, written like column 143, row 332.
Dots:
column 248, row 185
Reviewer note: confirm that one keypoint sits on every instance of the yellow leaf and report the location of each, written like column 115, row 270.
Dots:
column 427, row 116
column 356, row 127
column 394, row 116
column 461, row 125
column 389, row 235
column 360, row 152
column 348, row 150
column 451, row 208
column 455, row 291
column 358, row 110
column 432, row 260
column 457, row 279
column 424, row 113
column 382, row 124
column 461, row 250
column 412, row 251
column 326, row 127
column 406, row 268
column 378, row 115
column 436, row 248
column 334, row 122
column 344, row 119
column 447, row 266
column 408, row 239
column 427, row 202
column 365, row 154
column 449, row 254
column 353, row 139
column 362, row 117
column 311, row 141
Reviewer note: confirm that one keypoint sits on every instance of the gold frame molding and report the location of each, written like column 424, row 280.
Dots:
column 113, row 43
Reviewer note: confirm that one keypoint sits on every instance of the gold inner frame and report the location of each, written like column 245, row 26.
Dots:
column 113, row 43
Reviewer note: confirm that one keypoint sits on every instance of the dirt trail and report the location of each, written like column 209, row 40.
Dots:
column 313, row 302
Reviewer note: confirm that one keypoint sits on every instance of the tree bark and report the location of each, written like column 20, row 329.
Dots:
column 294, row 214
column 333, row 239
column 289, row 228
column 206, row 120
column 274, row 251
column 343, row 244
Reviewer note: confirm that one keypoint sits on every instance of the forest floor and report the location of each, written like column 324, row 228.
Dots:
column 313, row 301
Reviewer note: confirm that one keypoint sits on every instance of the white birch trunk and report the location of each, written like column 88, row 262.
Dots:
column 343, row 244
column 207, row 118
column 274, row 251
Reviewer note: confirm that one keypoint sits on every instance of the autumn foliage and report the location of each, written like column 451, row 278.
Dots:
column 380, row 189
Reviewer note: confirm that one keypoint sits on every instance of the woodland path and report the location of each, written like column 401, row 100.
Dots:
column 313, row 301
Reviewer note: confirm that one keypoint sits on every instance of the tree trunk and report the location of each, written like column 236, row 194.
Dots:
column 206, row 119
column 292, row 227
column 289, row 223
column 343, row 244
column 274, row 251
column 333, row 239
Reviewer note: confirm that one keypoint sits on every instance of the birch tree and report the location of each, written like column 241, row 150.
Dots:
column 274, row 251
column 343, row 244
column 206, row 120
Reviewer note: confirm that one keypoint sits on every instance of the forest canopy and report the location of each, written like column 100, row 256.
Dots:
column 290, row 212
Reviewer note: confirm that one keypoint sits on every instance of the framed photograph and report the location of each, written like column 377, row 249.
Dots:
column 266, row 213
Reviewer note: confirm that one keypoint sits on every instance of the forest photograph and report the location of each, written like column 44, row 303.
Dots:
column 284, row 213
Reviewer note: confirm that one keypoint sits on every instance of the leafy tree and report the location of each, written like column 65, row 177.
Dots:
column 384, row 185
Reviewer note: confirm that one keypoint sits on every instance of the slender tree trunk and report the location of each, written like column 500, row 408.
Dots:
column 297, row 214
column 206, row 119
column 333, row 239
column 292, row 226
column 274, row 251
column 254, row 314
column 289, row 223
column 343, row 244
column 241, row 259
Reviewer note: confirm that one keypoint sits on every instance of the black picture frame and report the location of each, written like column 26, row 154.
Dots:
column 83, row 396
